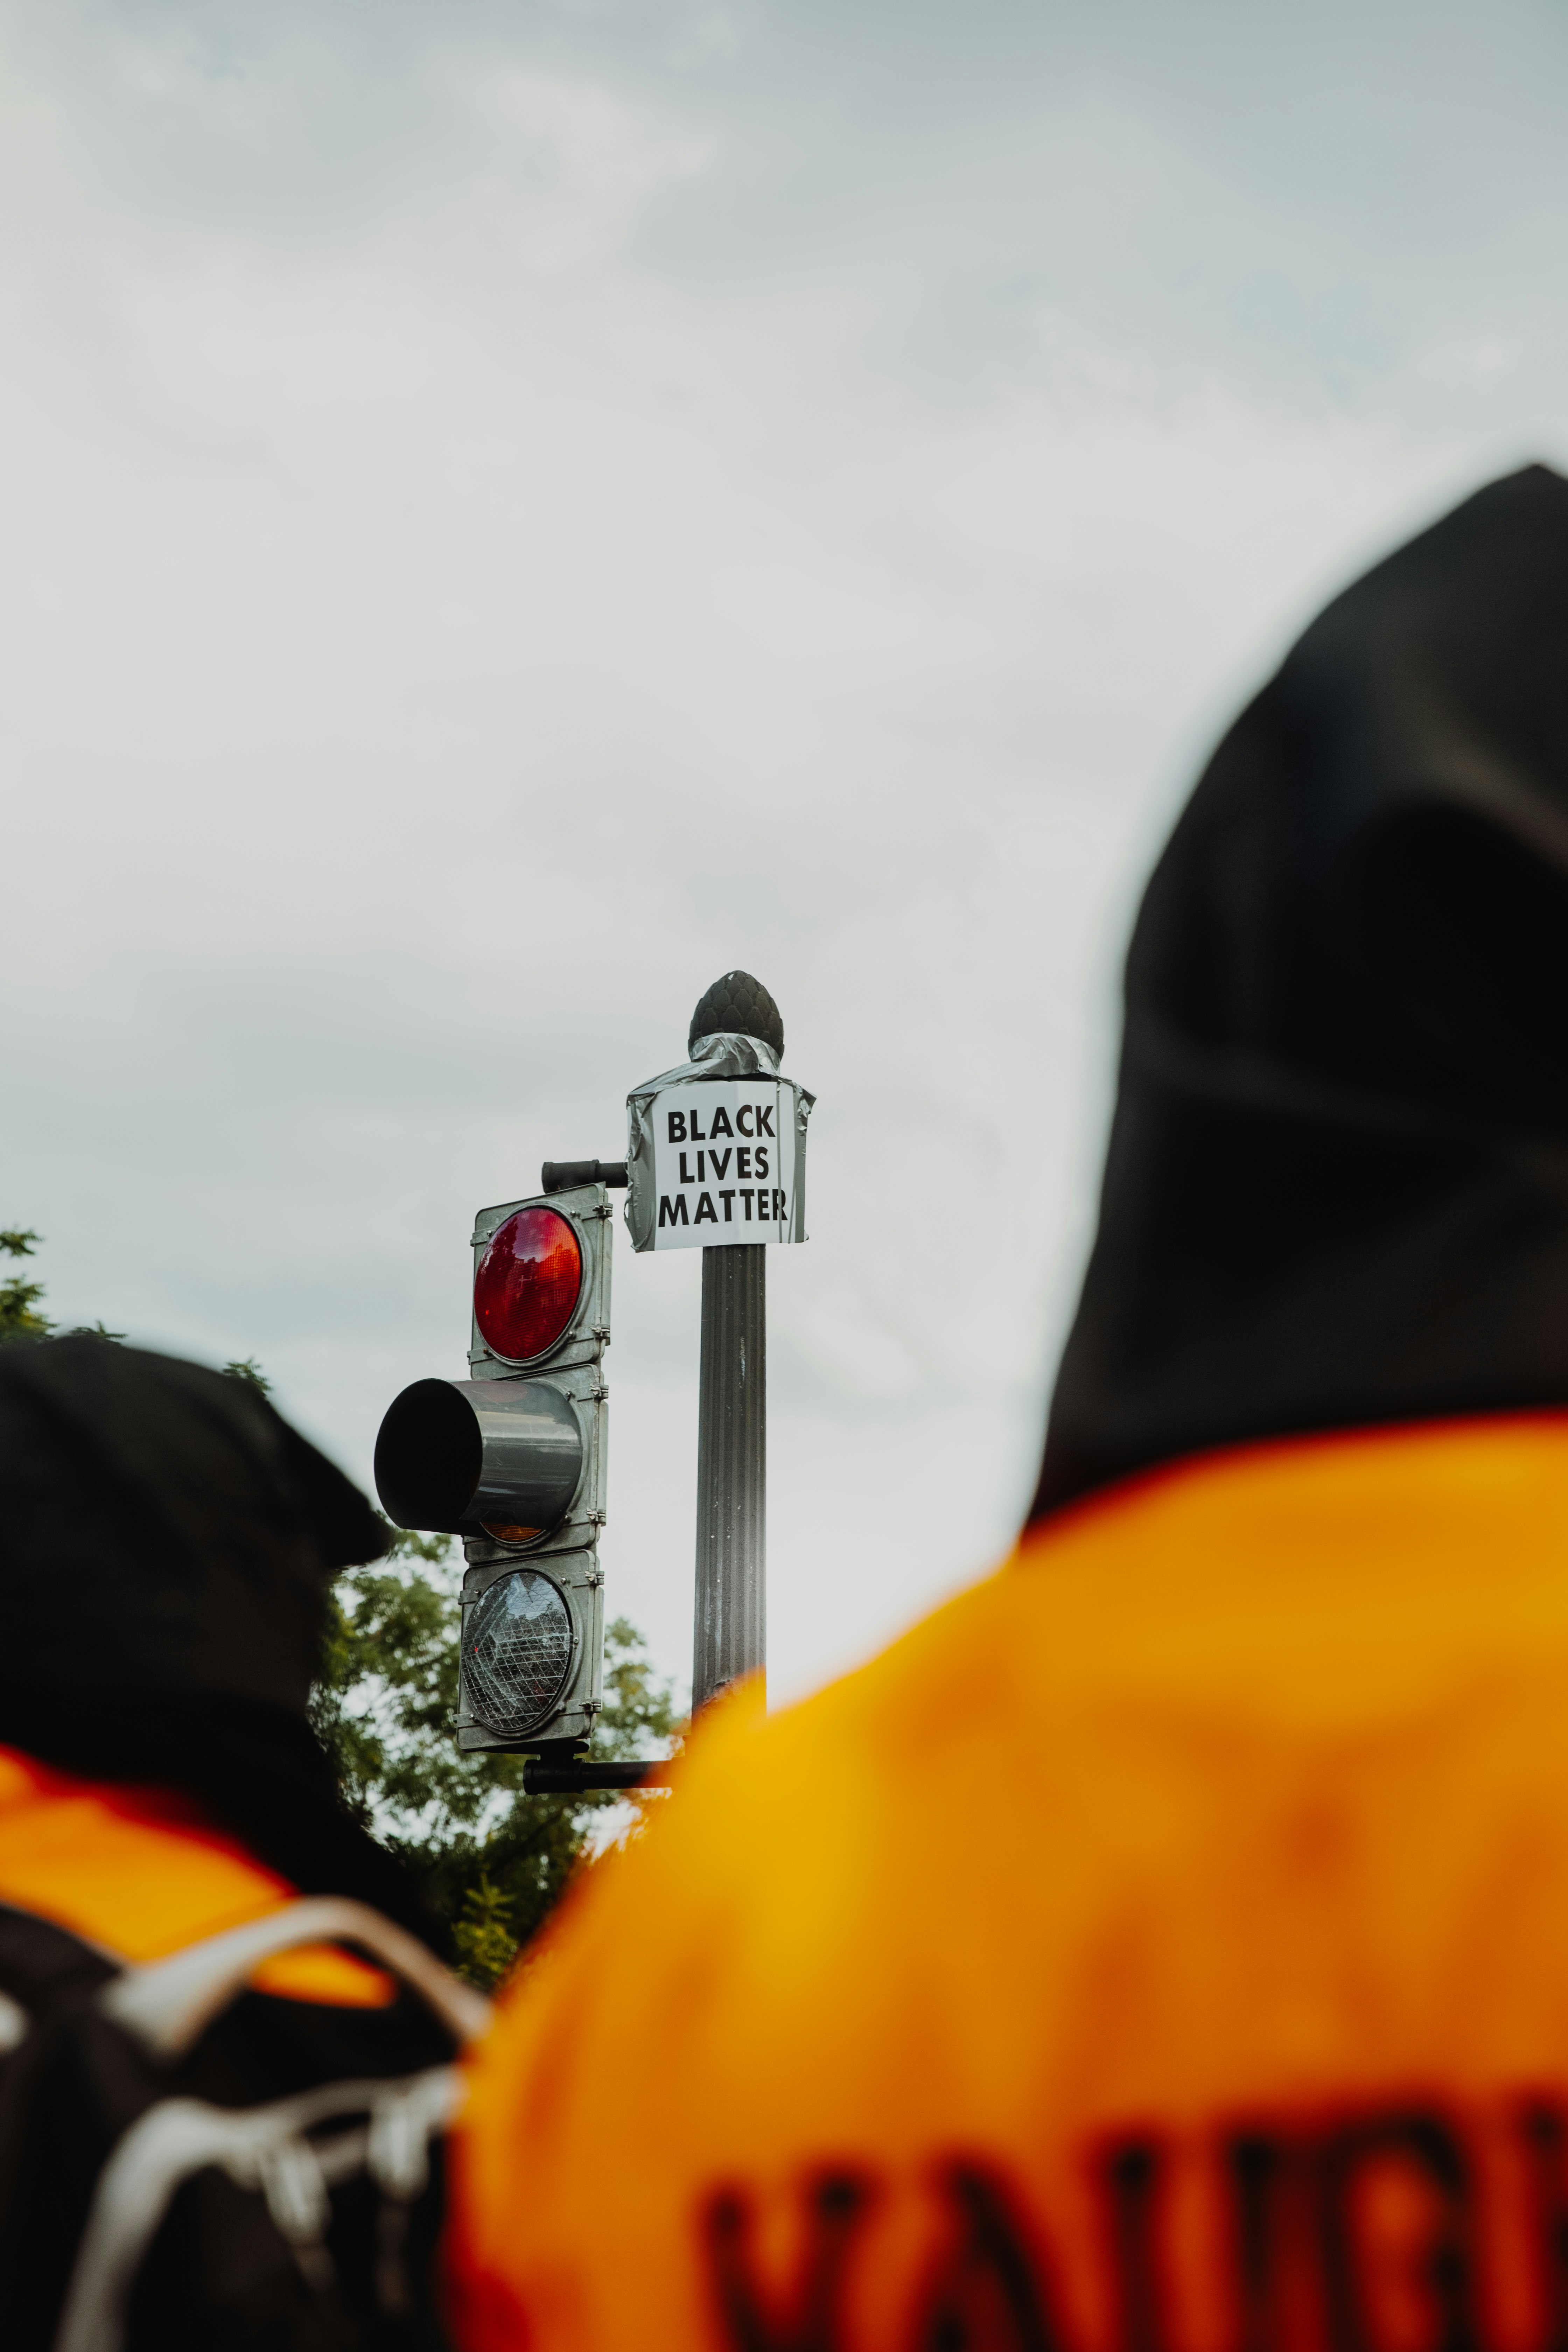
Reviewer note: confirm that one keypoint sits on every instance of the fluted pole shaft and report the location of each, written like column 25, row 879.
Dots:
column 730, row 1622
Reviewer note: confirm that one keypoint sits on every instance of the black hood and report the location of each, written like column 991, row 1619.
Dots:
column 166, row 1544
column 1337, row 1186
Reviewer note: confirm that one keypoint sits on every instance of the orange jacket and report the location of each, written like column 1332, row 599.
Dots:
column 143, row 1872
column 1162, row 1949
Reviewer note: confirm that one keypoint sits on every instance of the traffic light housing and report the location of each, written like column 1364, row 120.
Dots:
column 513, row 1460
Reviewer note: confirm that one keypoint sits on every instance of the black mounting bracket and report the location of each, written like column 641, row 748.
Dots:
column 543, row 1778
column 561, row 1175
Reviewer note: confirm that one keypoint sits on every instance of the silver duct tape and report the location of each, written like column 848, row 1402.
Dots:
column 727, row 1054
column 804, row 1104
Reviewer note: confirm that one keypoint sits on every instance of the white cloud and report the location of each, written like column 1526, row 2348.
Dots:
column 511, row 514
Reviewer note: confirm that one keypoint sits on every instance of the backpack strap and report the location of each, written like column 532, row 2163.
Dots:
column 389, row 2125
column 292, row 2151
column 168, row 2005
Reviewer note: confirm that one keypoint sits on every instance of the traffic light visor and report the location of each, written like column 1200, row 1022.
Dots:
column 517, row 1653
column 527, row 1284
column 455, row 1455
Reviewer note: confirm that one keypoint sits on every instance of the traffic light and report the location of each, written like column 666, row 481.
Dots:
column 513, row 1459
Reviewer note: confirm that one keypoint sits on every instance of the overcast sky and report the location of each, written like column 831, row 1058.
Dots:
column 512, row 509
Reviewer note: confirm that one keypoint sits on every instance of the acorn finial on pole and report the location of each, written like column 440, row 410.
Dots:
column 737, row 1003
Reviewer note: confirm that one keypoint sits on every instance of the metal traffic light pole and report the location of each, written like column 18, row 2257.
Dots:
column 730, row 1619
column 730, row 1628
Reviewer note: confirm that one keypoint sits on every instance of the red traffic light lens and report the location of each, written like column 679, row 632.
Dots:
column 526, row 1289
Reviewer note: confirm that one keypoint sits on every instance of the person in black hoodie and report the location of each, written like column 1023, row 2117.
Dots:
column 1337, row 1187
column 1165, row 1943
column 167, row 1546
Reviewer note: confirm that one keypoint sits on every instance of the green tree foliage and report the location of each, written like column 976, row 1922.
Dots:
column 19, row 1316
column 491, row 1860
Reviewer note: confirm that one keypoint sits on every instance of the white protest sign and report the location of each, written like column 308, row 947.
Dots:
column 723, row 1162
column 716, row 1150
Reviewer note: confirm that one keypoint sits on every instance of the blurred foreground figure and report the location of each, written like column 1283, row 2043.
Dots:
column 215, row 2128
column 1164, row 1946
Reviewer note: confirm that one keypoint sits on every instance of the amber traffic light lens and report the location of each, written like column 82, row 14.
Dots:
column 526, row 1290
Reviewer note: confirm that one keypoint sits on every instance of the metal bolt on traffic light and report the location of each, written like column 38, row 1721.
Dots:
column 513, row 1460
